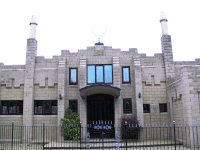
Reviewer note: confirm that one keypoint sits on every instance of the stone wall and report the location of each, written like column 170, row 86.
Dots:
column 155, row 95
column 46, row 92
column 12, row 93
column 183, row 97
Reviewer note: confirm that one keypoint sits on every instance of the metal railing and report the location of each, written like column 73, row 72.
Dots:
column 155, row 136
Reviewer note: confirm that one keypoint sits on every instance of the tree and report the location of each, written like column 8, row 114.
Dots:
column 70, row 125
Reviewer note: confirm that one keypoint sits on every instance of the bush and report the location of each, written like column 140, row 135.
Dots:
column 132, row 132
column 68, row 131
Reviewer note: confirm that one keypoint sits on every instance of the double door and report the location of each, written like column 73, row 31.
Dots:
column 100, row 116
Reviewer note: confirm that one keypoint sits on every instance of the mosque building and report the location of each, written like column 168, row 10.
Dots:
column 102, row 84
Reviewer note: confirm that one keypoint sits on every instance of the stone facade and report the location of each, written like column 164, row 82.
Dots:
column 158, row 79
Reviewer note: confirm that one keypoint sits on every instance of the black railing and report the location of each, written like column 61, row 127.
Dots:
column 17, row 136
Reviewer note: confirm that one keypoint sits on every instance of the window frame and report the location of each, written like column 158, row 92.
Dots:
column 165, row 108
column 124, row 101
column 95, row 65
column 74, row 100
column 9, row 101
column 146, row 111
column 43, row 107
column 125, row 82
column 70, row 83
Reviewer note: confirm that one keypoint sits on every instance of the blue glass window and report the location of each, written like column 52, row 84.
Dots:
column 99, row 74
column 73, row 76
column 126, row 75
column 108, row 73
column 91, row 74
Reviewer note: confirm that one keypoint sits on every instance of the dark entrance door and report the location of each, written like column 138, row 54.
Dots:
column 100, row 116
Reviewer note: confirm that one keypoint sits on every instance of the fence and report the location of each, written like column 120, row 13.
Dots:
column 18, row 136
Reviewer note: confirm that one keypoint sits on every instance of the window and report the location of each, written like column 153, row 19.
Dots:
column 73, row 105
column 99, row 74
column 127, row 105
column 126, row 75
column 45, row 107
column 163, row 107
column 11, row 107
column 146, row 108
column 73, row 76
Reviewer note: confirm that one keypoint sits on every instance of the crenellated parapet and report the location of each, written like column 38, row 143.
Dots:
column 42, row 73
column 152, row 69
column 99, row 51
column 9, row 73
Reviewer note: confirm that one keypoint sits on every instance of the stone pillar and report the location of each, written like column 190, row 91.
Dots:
column 138, row 89
column 168, row 56
column 28, row 110
column 61, row 90
column 117, row 102
column 83, row 102
column 169, row 63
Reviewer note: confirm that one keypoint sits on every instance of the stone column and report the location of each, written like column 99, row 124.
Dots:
column 138, row 89
column 169, row 64
column 168, row 56
column 83, row 102
column 28, row 103
column 61, row 90
column 118, row 101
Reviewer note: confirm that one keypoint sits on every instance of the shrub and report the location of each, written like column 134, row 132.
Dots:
column 67, row 125
column 133, row 132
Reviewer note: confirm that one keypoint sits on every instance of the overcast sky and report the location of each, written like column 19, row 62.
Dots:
column 66, row 25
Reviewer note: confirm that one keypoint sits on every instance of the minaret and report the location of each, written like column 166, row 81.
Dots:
column 167, row 48
column 163, row 21
column 33, row 25
column 31, row 53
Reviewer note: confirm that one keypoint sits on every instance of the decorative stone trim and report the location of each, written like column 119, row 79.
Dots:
column 174, row 82
column 12, row 69
column 136, row 62
column 115, row 61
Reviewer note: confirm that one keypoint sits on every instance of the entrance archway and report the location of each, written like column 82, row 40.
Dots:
column 100, row 116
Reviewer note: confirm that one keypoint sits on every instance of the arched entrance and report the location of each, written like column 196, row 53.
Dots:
column 100, row 115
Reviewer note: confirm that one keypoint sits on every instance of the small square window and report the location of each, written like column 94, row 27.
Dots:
column 127, row 104
column 46, row 107
column 4, row 107
column 146, row 108
column 73, row 105
column 163, row 107
column 38, row 107
column 54, row 107
column 20, row 107
column 126, row 75
column 73, row 76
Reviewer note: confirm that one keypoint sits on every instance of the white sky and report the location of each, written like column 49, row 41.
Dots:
column 66, row 25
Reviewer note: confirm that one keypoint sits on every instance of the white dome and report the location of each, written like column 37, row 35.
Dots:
column 162, row 15
column 34, row 19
